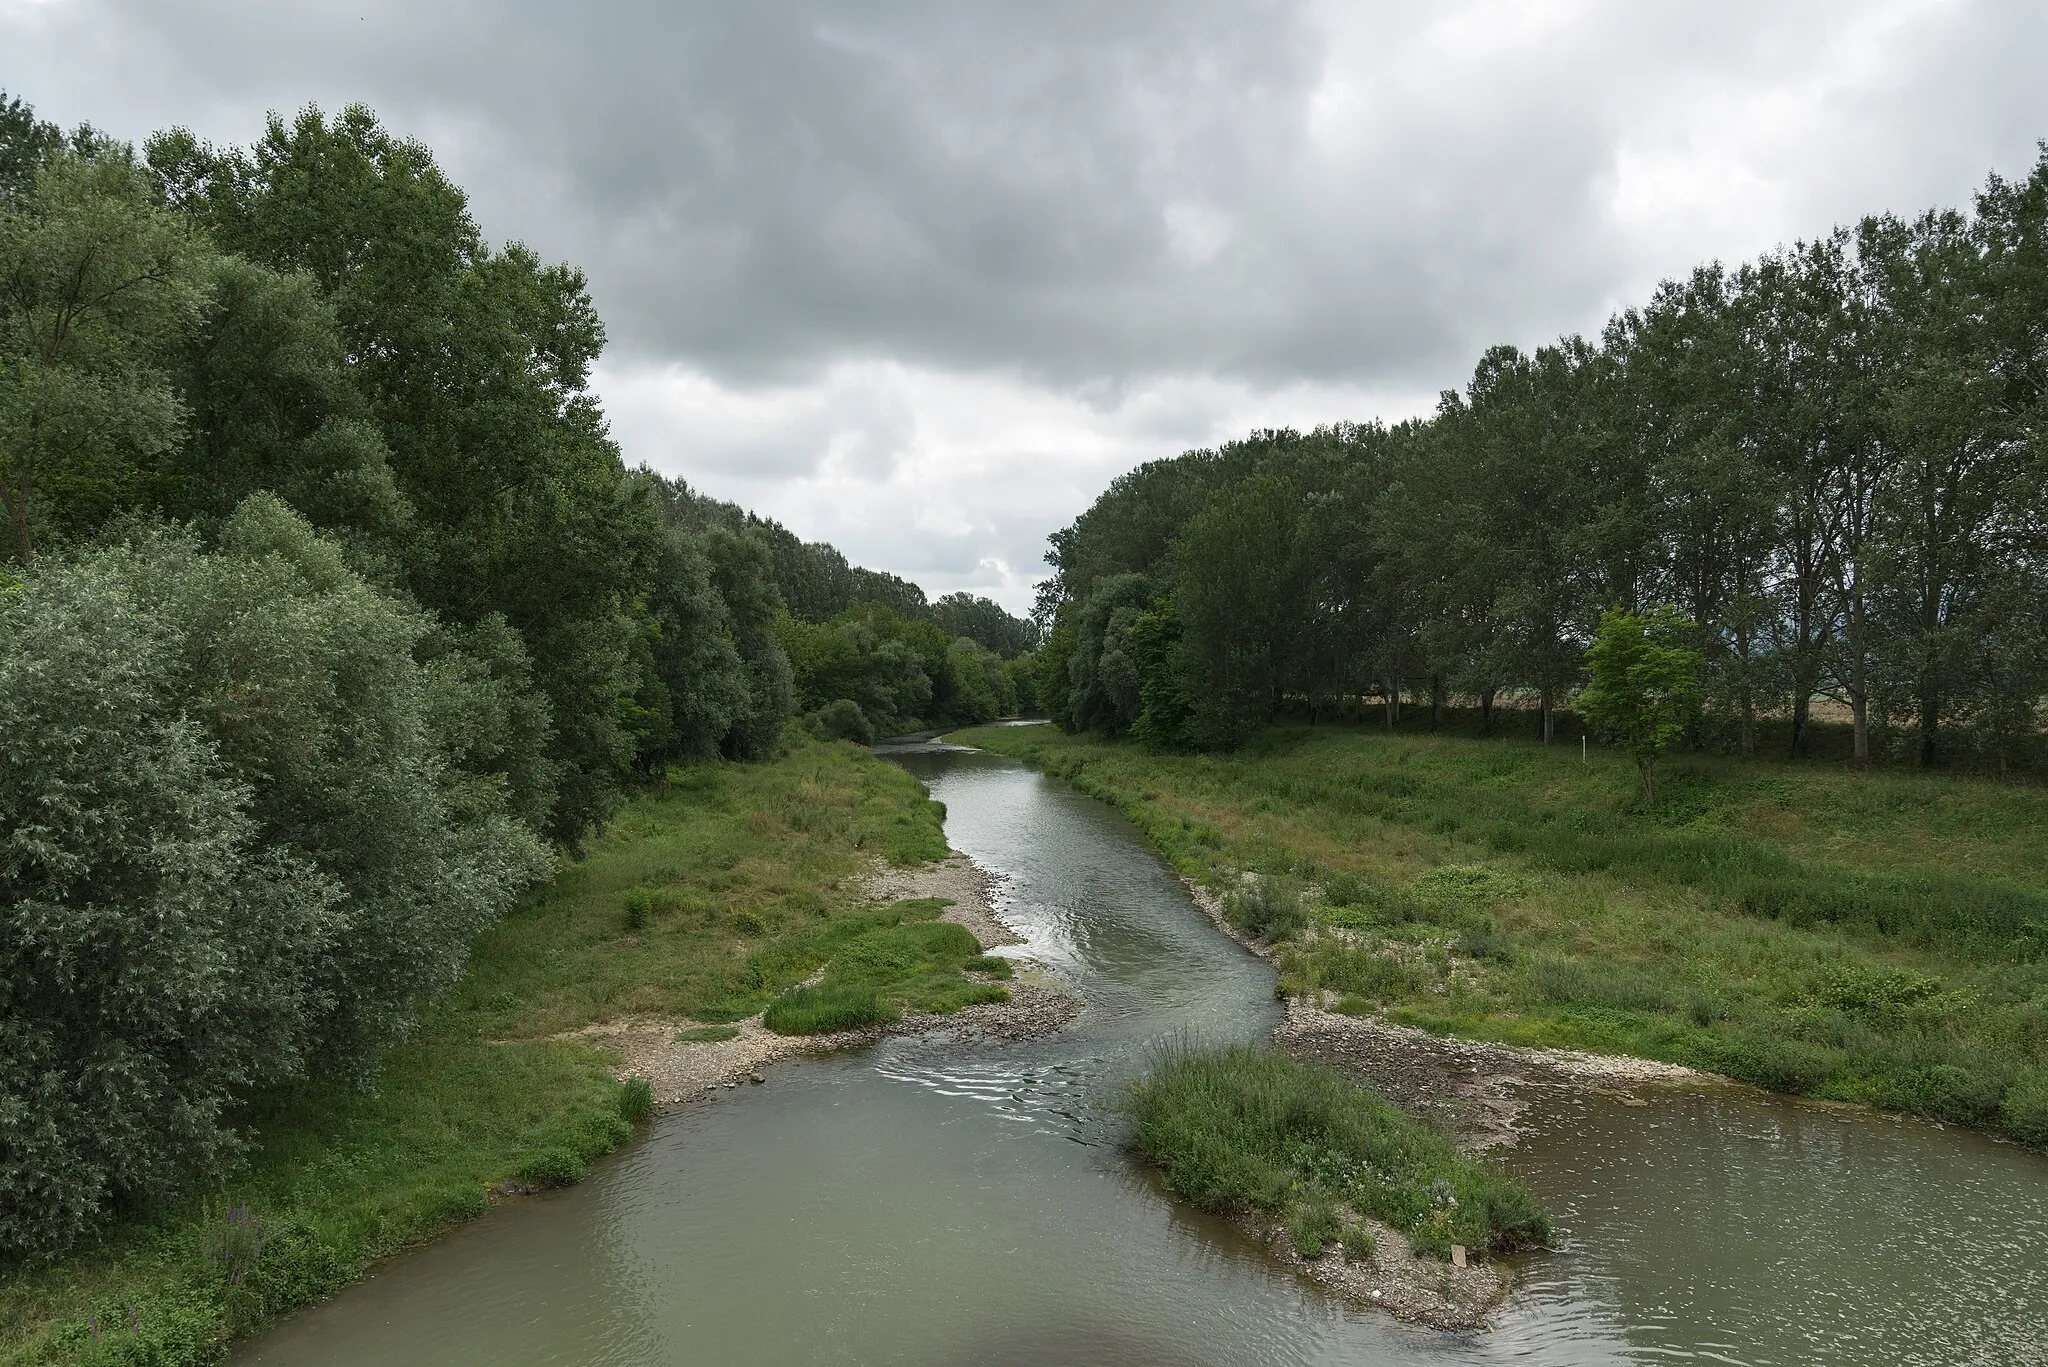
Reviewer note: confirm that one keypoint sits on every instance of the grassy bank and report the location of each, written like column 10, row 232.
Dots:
column 673, row 912
column 1301, row 1144
column 1879, row 937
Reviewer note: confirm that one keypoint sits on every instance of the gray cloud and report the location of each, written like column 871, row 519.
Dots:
column 807, row 223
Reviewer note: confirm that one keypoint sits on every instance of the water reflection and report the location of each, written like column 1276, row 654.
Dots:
column 922, row 1204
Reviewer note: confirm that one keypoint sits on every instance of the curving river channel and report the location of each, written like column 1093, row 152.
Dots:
column 923, row 1204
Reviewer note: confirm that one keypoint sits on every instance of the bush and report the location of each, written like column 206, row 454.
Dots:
column 237, row 839
column 2025, row 1107
column 1265, row 907
column 841, row 719
column 826, row 1009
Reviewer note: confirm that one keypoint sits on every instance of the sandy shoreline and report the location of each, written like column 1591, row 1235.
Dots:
column 681, row 1070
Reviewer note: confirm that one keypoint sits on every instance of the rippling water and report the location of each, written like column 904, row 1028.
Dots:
column 928, row 1205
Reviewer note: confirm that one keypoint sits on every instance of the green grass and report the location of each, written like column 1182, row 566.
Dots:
column 707, row 1034
column 878, row 964
column 1299, row 1142
column 823, row 1010
column 662, row 917
column 1878, row 937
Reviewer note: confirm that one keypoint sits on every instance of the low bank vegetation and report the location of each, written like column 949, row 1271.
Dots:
column 492, row 1091
column 1239, row 1131
column 1876, row 937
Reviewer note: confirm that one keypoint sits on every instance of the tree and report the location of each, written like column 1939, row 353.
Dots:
column 97, row 284
column 252, row 810
column 1645, row 682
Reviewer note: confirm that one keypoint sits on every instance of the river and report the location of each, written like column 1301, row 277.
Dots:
column 917, row 1204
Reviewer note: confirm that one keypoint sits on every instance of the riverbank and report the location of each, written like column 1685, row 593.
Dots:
column 510, row 1083
column 1875, row 938
column 683, row 1060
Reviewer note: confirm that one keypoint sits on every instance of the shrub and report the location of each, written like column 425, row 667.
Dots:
column 237, row 835
column 2025, row 1107
column 1266, row 907
column 841, row 719
column 826, row 1009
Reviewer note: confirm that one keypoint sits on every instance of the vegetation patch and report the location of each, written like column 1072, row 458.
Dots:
column 825, row 1010
column 878, row 964
column 707, row 1034
column 484, row 1096
column 1879, row 937
column 1300, row 1143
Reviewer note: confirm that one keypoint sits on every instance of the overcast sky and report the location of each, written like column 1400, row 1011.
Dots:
column 919, row 277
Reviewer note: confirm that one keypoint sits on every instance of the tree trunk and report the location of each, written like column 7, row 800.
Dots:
column 1802, row 705
column 1393, row 705
column 1930, row 727
column 1859, row 681
column 1745, row 699
column 1436, row 701
column 1486, row 712
column 17, row 513
column 1549, row 717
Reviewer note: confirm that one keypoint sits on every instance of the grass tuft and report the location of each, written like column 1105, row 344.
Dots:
column 826, row 1009
column 1299, row 1142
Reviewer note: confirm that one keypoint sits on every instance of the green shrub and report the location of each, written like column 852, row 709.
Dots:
column 841, row 719
column 644, row 902
column 826, row 1009
column 237, row 835
column 2025, row 1107
column 1266, row 907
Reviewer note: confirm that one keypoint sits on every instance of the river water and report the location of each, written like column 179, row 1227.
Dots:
column 917, row 1204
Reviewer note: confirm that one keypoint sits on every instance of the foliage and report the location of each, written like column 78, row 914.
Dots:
column 1301, row 1143
column 1644, row 683
column 985, row 623
column 1824, row 458
column 239, row 842
column 96, row 283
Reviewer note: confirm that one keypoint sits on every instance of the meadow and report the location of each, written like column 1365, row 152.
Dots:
column 1872, row 936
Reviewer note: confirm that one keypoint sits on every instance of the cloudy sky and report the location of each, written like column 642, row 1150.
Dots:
column 919, row 277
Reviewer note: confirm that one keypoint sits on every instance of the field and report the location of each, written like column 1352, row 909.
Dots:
column 673, row 912
column 1877, row 937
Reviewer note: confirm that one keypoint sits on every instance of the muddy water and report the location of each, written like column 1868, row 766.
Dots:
column 924, row 1205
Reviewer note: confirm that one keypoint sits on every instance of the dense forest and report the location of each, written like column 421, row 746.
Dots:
column 1830, row 461
column 329, row 615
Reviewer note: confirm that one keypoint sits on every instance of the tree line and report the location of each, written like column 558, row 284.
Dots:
column 329, row 614
column 1828, row 462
